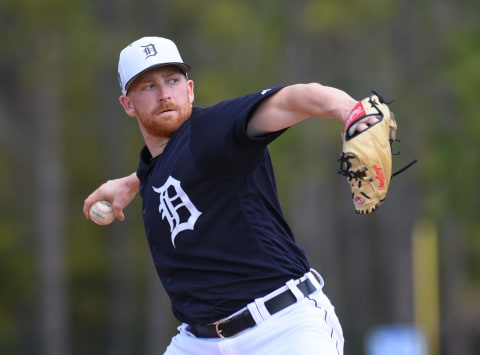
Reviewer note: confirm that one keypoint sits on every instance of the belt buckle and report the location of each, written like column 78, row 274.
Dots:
column 217, row 324
column 218, row 330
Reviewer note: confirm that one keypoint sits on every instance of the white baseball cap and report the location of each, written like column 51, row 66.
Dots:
column 144, row 54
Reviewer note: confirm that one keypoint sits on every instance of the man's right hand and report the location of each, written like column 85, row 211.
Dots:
column 120, row 192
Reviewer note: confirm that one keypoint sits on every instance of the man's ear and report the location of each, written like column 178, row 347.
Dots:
column 127, row 105
column 191, row 94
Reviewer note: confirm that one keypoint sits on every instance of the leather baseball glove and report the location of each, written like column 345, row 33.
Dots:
column 366, row 159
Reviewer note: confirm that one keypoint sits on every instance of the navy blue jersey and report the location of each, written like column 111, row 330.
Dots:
column 214, row 225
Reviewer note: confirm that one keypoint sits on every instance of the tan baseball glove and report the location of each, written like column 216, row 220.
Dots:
column 366, row 160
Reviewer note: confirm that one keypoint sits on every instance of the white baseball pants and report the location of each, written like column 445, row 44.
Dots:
column 308, row 327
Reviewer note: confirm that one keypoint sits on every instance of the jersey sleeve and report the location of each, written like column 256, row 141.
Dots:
column 219, row 133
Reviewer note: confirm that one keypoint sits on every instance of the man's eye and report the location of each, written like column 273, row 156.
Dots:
column 147, row 86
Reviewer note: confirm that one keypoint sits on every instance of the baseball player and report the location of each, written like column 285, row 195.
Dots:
column 226, row 256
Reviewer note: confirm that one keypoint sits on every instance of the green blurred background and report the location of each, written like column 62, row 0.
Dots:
column 71, row 287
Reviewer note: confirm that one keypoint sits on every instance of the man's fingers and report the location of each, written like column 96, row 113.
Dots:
column 95, row 196
column 365, row 123
column 118, row 211
column 89, row 201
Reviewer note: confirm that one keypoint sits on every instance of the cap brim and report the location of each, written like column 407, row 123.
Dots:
column 185, row 68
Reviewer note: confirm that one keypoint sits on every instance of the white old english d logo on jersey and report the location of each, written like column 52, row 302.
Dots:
column 175, row 206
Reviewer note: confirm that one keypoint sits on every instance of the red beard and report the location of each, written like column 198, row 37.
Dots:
column 166, row 120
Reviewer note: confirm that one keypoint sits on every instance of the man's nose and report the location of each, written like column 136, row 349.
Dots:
column 163, row 94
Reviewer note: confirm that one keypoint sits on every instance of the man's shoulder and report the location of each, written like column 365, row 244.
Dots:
column 238, row 100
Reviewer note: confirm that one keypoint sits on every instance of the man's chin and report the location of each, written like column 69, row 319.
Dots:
column 167, row 129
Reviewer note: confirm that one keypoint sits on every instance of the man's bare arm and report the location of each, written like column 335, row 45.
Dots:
column 295, row 103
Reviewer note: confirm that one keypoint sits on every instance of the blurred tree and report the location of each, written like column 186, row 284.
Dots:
column 49, row 199
column 74, row 292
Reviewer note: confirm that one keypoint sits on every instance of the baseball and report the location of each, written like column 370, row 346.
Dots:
column 101, row 213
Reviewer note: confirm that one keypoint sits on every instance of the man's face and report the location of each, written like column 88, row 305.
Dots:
column 161, row 99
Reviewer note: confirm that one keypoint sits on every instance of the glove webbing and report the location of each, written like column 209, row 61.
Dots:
column 382, row 100
column 359, row 175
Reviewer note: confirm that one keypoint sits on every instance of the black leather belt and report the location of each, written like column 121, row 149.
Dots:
column 231, row 326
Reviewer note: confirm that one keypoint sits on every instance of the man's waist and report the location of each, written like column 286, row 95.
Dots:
column 260, row 309
column 198, row 300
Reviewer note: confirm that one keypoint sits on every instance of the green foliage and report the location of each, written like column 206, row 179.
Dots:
column 456, row 137
column 332, row 16
column 425, row 55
